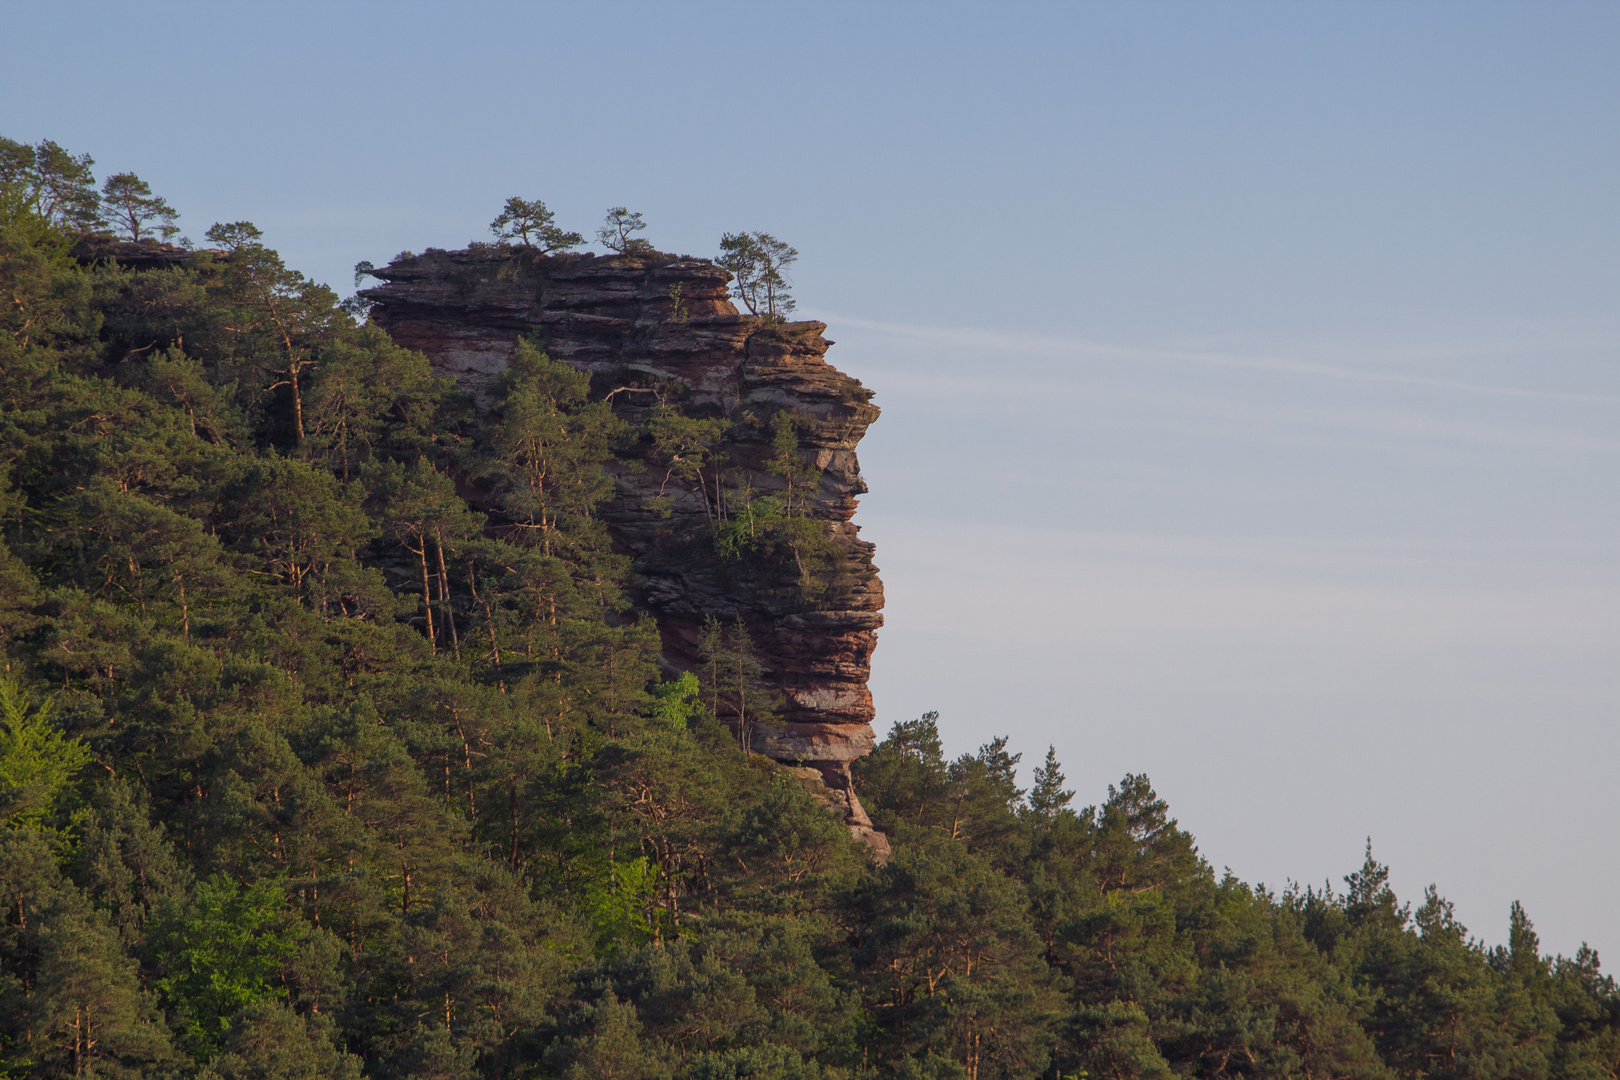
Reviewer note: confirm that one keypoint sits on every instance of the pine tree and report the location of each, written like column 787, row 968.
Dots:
column 759, row 263
column 685, row 446
column 511, row 846
column 124, row 862
column 1047, row 798
column 371, row 400
column 127, row 204
column 272, row 322
column 268, row 1041
column 618, row 230
column 418, row 506
column 70, row 999
column 47, row 181
column 531, row 223
column 735, row 679
column 951, row 966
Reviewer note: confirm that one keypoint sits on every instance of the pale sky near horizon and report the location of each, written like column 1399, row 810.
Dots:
column 1249, row 370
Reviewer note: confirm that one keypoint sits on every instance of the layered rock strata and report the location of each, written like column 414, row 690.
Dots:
column 660, row 329
column 130, row 254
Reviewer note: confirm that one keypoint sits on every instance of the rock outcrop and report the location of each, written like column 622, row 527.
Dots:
column 130, row 254
column 655, row 329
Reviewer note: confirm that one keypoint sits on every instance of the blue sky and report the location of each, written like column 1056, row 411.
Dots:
column 1249, row 371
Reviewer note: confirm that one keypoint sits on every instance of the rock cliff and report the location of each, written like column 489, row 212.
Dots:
column 656, row 329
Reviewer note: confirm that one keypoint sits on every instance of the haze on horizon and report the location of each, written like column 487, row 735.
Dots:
column 1248, row 372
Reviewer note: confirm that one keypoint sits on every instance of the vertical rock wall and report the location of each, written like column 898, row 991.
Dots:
column 656, row 326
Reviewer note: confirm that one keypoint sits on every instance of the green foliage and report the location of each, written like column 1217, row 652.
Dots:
column 676, row 703
column 344, row 751
column 47, row 182
column 268, row 1041
column 418, row 507
column 759, row 263
column 747, row 523
column 772, row 537
column 956, row 971
column 71, row 1000
column 37, row 762
column 370, row 399
column 685, row 446
column 548, row 451
column 46, row 293
column 618, row 230
column 761, row 1060
column 971, row 800
column 128, row 205
column 273, row 323
column 787, row 461
column 222, row 952
column 735, row 683
column 1047, row 798
column 775, row 532
column 529, row 222
column 617, row 903
column 677, row 305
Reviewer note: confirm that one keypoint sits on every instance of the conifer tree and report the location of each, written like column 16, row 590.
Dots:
column 304, row 527
column 274, row 321
column 759, row 263
column 418, row 506
column 685, row 446
column 617, row 233
column 549, row 449
column 736, row 695
column 71, row 1003
column 1047, row 798
column 953, row 969
column 128, row 205
column 268, row 1041
column 124, row 862
column 370, row 399
column 531, row 223
column 48, row 181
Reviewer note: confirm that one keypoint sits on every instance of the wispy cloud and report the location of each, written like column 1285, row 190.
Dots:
column 1283, row 419
column 1049, row 346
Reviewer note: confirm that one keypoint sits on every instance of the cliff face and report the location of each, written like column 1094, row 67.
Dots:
column 660, row 329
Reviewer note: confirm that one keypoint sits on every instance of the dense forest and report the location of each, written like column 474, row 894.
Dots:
column 331, row 745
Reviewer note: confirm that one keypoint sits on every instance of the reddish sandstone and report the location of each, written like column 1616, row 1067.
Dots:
column 661, row 324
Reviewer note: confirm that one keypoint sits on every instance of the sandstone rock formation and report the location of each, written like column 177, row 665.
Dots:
column 660, row 328
column 130, row 254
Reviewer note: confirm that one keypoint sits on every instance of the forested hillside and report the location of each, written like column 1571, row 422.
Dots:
column 330, row 746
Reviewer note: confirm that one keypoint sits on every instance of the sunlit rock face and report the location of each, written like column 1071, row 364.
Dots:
column 662, row 327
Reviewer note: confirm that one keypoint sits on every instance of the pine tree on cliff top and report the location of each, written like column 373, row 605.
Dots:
column 617, row 233
column 529, row 222
column 759, row 262
column 128, row 205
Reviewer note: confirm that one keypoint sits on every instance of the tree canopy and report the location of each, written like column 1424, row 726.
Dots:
column 529, row 223
column 618, row 230
column 760, row 261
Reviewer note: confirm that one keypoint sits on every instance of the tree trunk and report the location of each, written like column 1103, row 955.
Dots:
column 444, row 598
column 293, row 369
column 427, row 596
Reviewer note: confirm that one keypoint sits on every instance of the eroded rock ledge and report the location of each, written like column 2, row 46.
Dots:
column 645, row 326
